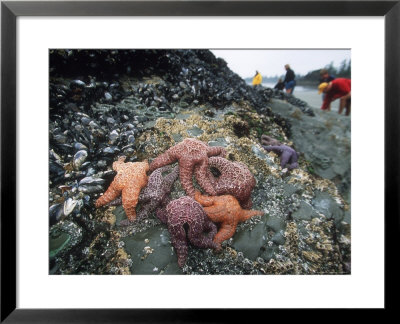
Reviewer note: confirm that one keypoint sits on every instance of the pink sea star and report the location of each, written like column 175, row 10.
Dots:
column 235, row 179
column 190, row 153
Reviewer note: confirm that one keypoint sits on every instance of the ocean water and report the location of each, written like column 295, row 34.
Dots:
column 309, row 95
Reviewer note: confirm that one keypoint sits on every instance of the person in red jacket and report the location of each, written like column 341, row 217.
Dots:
column 338, row 88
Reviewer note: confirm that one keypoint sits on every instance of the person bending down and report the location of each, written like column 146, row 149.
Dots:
column 338, row 88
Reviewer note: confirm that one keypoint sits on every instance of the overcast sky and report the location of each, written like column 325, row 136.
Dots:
column 271, row 62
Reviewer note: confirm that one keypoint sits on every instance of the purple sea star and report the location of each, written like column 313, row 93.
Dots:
column 288, row 155
column 189, row 153
column 235, row 179
column 200, row 230
column 155, row 194
column 269, row 141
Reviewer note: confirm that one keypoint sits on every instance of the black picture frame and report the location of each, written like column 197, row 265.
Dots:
column 10, row 10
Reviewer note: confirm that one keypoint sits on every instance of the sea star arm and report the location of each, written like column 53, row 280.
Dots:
column 145, row 195
column 267, row 140
column 246, row 214
column 111, row 194
column 201, row 240
column 130, row 197
column 119, row 163
column 203, row 178
column 168, row 157
column 211, row 228
column 171, row 177
column 204, row 200
column 179, row 242
column 285, row 157
column 200, row 178
column 293, row 165
column 146, row 209
column 225, row 232
column 216, row 151
column 165, row 201
column 164, row 169
column 247, row 204
column 115, row 202
column 162, row 215
column 185, row 175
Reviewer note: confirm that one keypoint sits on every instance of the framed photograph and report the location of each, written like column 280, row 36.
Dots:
column 161, row 149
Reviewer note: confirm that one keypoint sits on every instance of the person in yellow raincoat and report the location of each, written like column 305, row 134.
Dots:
column 257, row 79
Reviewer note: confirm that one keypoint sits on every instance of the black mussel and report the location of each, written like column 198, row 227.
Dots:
column 79, row 146
column 79, row 158
column 77, row 84
column 56, row 213
column 91, row 181
column 107, row 96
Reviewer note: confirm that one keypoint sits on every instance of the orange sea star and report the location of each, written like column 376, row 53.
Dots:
column 130, row 179
column 226, row 211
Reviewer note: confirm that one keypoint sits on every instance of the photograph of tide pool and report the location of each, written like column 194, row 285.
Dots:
column 188, row 162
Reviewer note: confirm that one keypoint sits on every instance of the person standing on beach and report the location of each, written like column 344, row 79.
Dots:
column 257, row 79
column 289, row 81
column 338, row 88
column 325, row 77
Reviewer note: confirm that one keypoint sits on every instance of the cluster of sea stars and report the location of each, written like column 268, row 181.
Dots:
column 185, row 217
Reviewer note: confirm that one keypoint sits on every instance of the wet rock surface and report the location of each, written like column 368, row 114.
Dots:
column 324, row 139
column 104, row 104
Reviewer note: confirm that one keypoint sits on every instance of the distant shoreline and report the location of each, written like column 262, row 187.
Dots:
column 304, row 83
column 307, row 83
